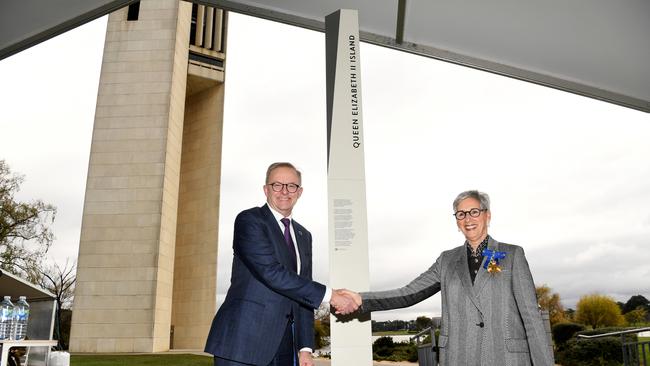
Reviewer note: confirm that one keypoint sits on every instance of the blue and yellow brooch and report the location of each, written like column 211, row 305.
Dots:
column 492, row 261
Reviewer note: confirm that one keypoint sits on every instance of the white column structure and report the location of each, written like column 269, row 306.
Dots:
column 348, row 224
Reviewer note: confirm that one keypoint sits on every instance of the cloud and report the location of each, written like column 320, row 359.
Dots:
column 611, row 265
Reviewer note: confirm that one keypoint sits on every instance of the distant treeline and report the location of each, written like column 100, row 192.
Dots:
column 393, row 325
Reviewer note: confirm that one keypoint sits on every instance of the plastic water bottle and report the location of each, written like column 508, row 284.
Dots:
column 6, row 318
column 21, row 316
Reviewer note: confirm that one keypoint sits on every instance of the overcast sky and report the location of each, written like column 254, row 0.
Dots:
column 568, row 176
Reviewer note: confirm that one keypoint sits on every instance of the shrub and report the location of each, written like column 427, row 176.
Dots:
column 562, row 332
column 591, row 352
column 404, row 352
column 385, row 349
column 628, row 337
column 66, row 320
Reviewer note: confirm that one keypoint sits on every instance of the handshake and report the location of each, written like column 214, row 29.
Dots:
column 345, row 301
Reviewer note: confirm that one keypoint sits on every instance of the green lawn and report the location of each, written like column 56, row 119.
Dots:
column 141, row 360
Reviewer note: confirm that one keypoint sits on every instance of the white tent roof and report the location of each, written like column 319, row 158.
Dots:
column 595, row 48
column 11, row 285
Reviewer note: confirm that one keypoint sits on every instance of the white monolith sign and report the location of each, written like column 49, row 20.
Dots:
column 348, row 225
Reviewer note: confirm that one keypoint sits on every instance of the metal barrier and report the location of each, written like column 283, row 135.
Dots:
column 634, row 353
column 427, row 352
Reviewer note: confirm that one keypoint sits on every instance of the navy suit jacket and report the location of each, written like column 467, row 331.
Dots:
column 264, row 292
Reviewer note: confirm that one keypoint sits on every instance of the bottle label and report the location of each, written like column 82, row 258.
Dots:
column 6, row 313
column 22, row 314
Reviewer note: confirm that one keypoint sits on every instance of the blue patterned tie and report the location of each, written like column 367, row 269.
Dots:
column 287, row 239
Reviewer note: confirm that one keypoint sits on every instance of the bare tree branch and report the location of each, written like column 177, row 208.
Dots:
column 25, row 227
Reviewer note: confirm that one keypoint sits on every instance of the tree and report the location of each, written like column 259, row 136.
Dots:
column 25, row 234
column 60, row 282
column 25, row 237
column 635, row 302
column 550, row 302
column 322, row 325
column 422, row 323
column 598, row 311
column 636, row 316
column 390, row 325
column 570, row 314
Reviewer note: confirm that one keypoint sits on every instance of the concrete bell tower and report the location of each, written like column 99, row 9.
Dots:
column 146, row 278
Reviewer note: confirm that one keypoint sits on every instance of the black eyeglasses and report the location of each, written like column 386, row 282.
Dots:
column 475, row 212
column 277, row 187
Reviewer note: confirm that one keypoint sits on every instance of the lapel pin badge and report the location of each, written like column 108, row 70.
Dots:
column 492, row 261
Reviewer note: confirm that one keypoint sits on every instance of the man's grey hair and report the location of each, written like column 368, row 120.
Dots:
column 282, row 164
column 482, row 198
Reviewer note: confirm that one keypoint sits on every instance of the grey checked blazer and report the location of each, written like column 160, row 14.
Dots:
column 495, row 322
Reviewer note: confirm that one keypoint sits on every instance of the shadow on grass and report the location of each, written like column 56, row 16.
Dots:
column 141, row 360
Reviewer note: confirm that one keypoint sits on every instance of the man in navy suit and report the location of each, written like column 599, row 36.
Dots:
column 268, row 315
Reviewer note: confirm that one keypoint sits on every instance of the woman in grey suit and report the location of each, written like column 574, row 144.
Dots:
column 490, row 315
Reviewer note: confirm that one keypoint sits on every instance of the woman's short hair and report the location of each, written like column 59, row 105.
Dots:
column 482, row 198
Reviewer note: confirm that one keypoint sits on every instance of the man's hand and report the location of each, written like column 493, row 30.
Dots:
column 354, row 295
column 305, row 358
column 345, row 302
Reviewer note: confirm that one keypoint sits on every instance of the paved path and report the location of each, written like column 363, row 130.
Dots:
column 327, row 362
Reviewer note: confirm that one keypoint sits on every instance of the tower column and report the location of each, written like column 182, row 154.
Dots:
column 141, row 189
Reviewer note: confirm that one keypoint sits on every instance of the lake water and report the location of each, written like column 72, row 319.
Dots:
column 396, row 338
